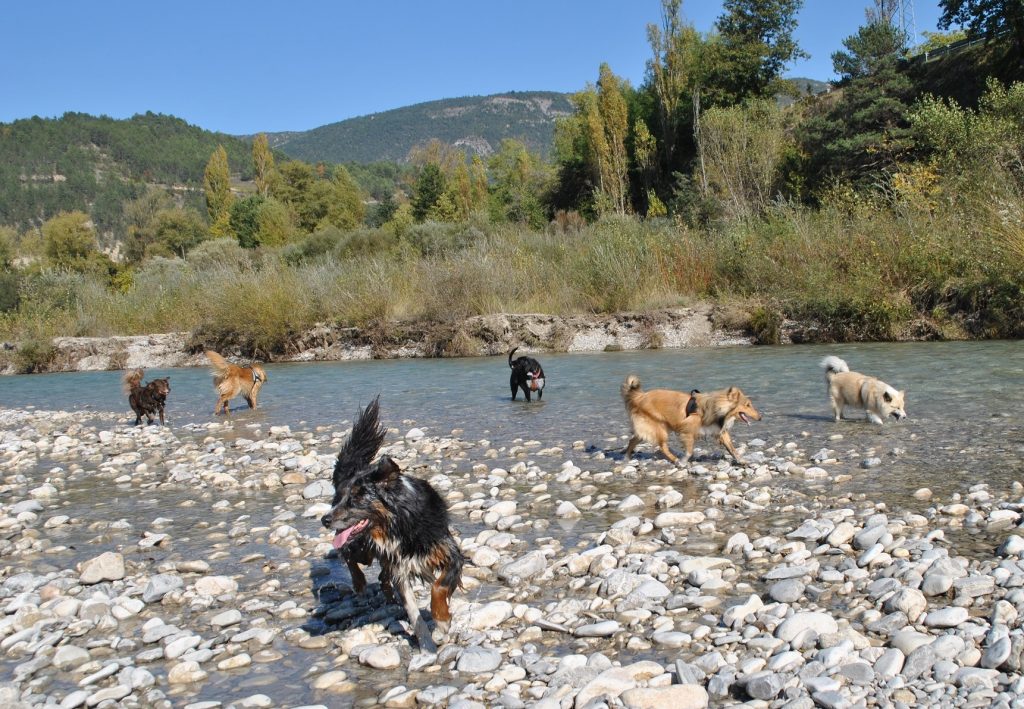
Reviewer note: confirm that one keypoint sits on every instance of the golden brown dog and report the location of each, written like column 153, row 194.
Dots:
column 653, row 414
column 230, row 380
column 846, row 388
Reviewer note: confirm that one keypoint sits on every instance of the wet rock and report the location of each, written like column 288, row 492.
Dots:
column 478, row 660
column 68, row 657
column 159, row 586
column 381, row 657
column 108, row 566
column 523, row 569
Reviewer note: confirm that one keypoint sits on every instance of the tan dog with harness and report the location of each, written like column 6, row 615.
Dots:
column 230, row 380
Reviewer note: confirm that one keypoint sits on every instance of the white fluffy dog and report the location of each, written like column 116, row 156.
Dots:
column 847, row 388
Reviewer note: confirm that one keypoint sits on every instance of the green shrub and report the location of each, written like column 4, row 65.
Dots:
column 34, row 355
column 9, row 297
column 766, row 325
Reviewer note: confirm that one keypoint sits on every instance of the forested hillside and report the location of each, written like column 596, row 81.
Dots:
column 891, row 207
column 476, row 124
column 94, row 164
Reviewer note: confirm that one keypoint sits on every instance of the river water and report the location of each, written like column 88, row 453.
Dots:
column 963, row 402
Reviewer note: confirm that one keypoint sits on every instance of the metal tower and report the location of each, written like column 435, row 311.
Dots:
column 905, row 19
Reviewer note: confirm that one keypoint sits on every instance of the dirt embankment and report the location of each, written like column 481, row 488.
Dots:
column 480, row 335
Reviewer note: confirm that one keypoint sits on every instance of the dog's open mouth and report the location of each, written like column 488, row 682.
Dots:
column 744, row 418
column 344, row 536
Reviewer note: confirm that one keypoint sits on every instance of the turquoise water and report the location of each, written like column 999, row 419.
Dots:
column 964, row 427
column 963, row 401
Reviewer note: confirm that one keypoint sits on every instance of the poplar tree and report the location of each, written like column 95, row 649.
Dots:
column 615, row 124
column 217, row 184
column 262, row 164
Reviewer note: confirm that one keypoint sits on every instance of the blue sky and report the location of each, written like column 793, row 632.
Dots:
column 245, row 67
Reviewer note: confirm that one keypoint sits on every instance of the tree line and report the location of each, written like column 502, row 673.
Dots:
column 703, row 142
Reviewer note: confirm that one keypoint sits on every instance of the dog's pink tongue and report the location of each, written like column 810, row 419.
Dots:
column 342, row 537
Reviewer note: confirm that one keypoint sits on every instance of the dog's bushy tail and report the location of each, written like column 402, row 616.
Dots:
column 510, row 355
column 131, row 380
column 452, row 577
column 630, row 386
column 218, row 363
column 833, row 365
column 362, row 445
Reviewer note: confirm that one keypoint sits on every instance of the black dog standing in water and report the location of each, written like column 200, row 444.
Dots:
column 526, row 375
column 146, row 400
column 401, row 520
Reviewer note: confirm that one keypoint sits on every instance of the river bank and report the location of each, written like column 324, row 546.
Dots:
column 703, row 325
column 700, row 326
column 202, row 578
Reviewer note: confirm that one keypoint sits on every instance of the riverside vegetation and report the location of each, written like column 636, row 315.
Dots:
column 886, row 209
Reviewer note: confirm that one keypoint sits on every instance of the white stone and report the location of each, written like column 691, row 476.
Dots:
column 108, row 566
column 820, row 623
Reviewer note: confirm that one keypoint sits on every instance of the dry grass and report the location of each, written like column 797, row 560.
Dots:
column 863, row 269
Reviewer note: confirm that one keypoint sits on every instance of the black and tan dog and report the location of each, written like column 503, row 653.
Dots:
column 402, row 521
column 527, row 375
column 146, row 400
column 654, row 414
column 230, row 380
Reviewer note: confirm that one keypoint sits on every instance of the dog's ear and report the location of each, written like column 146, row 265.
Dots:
column 886, row 397
column 734, row 394
column 386, row 470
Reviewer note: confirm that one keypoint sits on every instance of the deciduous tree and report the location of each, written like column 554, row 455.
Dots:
column 217, row 185
column 990, row 18
column 68, row 239
column 262, row 164
column 615, row 123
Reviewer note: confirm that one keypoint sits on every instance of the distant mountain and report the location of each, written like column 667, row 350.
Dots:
column 804, row 87
column 93, row 164
column 475, row 123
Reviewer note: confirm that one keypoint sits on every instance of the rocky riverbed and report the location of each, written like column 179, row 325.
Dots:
column 186, row 567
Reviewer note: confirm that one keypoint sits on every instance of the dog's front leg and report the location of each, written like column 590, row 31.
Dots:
column 419, row 626
column 633, row 442
column 663, row 445
column 726, row 441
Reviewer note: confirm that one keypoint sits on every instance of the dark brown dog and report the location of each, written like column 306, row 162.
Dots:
column 527, row 375
column 230, row 380
column 146, row 400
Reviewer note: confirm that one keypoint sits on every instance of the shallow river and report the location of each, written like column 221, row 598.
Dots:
column 964, row 401
column 964, row 427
